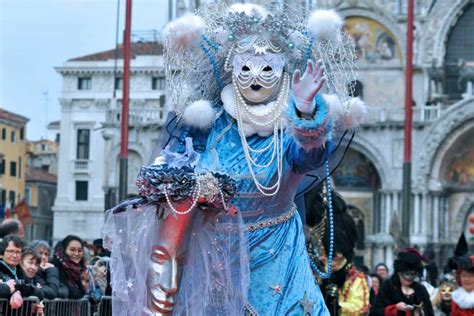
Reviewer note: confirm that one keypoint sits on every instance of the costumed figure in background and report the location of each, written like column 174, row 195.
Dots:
column 260, row 97
column 401, row 294
column 346, row 291
column 461, row 268
column 443, row 298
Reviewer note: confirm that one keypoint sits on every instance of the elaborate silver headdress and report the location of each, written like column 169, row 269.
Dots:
column 198, row 48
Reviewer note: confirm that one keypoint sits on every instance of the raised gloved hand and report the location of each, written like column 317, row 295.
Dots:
column 307, row 86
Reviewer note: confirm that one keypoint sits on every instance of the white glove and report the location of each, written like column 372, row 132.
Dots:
column 306, row 87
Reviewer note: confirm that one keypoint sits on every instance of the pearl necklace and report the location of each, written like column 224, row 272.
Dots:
column 276, row 144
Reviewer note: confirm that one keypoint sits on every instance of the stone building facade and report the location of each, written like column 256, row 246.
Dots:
column 90, row 133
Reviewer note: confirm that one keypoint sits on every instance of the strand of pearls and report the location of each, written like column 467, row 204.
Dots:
column 196, row 193
column 275, row 111
column 276, row 144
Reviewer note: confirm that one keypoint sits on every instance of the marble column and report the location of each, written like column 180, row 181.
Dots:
column 416, row 215
column 436, row 209
column 425, row 214
column 387, row 211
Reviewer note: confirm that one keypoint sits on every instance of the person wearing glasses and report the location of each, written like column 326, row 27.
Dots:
column 69, row 259
column 11, row 247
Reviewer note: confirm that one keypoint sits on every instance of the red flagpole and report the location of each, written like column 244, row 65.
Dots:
column 125, row 103
column 407, row 156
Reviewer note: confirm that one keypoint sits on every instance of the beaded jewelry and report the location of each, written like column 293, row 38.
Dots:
column 326, row 275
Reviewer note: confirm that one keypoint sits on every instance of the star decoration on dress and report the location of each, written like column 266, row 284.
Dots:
column 277, row 289
column 130, row 284
column 271, row 251
column 307, row 305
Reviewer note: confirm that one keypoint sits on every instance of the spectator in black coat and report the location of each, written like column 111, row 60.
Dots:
column 401, row 295
column 10, row 248
column 48, row 275
column 30, row 261
column 69, row 259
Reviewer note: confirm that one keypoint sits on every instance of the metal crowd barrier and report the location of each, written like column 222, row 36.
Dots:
column 27, row 309
column 58, row 307
column 105, row 306
column 67, row 307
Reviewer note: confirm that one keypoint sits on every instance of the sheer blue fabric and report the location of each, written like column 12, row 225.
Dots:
column 280, row 274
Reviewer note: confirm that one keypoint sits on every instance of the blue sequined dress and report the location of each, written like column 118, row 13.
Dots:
column 281, row 280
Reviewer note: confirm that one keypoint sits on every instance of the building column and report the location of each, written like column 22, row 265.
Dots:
column 425, row 214
column 387, row 211
column 378, row 255
column 416, row 219
column 446, row 219
column 396, row 203
column 389, row 257
column 436, row 209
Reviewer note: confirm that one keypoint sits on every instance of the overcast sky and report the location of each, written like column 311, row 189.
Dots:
column 37, row 35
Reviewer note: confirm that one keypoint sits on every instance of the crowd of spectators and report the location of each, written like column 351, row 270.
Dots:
column 73, row 269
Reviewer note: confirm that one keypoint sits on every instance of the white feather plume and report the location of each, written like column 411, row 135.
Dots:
column 199, row 114
column 184, row 31
column 355, row 113
column 325, row 25
column 249, row 9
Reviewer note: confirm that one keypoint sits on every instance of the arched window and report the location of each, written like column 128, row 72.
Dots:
column 460, row 48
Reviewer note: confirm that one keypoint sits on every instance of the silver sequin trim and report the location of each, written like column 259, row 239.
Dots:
column 274, row 221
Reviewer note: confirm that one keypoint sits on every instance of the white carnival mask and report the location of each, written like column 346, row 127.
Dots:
column 258, row 76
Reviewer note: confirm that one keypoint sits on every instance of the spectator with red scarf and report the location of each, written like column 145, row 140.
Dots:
column 69, row 259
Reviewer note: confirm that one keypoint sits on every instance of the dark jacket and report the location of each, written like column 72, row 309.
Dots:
column 28, row 287
column 49, row 281
column 75, row 289
column 390, row 294
column 5, row 275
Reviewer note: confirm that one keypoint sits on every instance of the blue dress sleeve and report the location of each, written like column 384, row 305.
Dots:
column 307, row 144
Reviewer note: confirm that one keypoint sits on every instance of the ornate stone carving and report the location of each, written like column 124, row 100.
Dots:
column 66, row 104
column 461, row 217
column 451, row 119
column 436, row 30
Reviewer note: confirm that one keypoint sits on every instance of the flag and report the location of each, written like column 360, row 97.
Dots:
column 23, row 213
column 8, row 210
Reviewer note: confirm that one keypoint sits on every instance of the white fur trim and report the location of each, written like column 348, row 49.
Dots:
column 199, row 114
column 348, row 116
column 185, row 31
column 464, row 299
column 249, row 9
column 335, row 106
column 249, row 128
column 355, row 113
column 325, row 25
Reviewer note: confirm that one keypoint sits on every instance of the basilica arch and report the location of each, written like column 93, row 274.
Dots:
column 456, row 120
column 435, row 33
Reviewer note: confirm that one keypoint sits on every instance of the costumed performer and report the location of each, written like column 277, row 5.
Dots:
column 261, row 99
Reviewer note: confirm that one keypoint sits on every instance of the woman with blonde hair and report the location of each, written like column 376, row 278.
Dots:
column 442, row 300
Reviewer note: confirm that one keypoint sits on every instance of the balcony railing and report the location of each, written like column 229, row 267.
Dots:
column 81, row 165
column 381, row 114
column 137, row 117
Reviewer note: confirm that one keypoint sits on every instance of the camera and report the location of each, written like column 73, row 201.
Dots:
column 20, row 282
